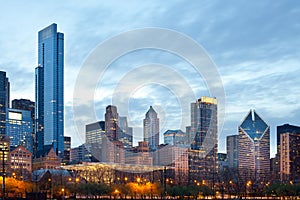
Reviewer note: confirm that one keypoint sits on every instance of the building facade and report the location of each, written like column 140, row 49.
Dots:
column 175, row 138
column 49, row 90
column 111, row 122
column 94, row 134
column 26, row 104
column 125, row 132
column 203, row 156
column 67, row 149
column 4, row 100
column 290, row 157
column 151, row 129
column 254, row 147
column 21, row 162
column 232, row 144
column 19, row 128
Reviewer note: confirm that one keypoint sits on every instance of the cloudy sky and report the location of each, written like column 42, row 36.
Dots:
column 254, row 46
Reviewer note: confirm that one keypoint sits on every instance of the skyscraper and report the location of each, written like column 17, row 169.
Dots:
column 288, row 152
column 203, row 156
column 111, row 122
column 94, row 134
column 232, row 143
column 125, row 132
column 254, row 147
column 204, row 123
column 49, row 90
column 151, row 129
column 19, row 128
column 4, row 100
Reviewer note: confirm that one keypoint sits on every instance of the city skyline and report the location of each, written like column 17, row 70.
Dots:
column 257, row 56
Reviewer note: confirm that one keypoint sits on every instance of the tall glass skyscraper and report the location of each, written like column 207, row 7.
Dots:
column 49, row 88
column 4, row 101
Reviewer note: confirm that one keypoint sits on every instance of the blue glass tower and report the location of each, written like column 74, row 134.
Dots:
column 49, row 87
column 19, row 128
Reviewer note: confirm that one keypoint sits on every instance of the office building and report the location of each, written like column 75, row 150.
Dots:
column 67, row 149
column 175, row 138
column 19, row 128
column 290, row 157
column 203, row 155
column 232, row 143
column 283, row 129
column 49, row 90
column 125, row 132
column 4, row 100
column 111, row 122
column 151, row 129
column 94, row 134
column 80, row 154
column 254, row 147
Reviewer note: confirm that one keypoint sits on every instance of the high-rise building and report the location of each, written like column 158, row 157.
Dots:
column 4, row 100
column 94, row 134
column 290, row 156
column 254, row 147
column 203, row 156
column 125, row 132
column 232, row 143
column 49, row 90
column 111, row 122
column 26, row 104
column 4, row 153
column 151, row 129
column 67, row 149
column 175, row 138
column 19, row 128
column 204, row 123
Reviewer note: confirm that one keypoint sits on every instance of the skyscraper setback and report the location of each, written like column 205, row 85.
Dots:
column 49, row 90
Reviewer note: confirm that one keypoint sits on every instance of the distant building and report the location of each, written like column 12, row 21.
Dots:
column 125, row 132
column 254, row 147
column 94, row 134
column 21, row 162
column 46, row 159
column 112, row 151
column 222, row 162
column 175, row 138
column 67, row 149
column 290, row 157
column 4, row 100
column 111, row 122
column 80, row 154
column 151, row 129
column 19, row 128
column 203, row 156
column 139, row 155
column 26, row 104
column 49, row 90
column 282, row 159
column 232, row 143
column 176, row 158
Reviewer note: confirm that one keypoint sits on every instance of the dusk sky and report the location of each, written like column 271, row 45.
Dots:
column 255, row 46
